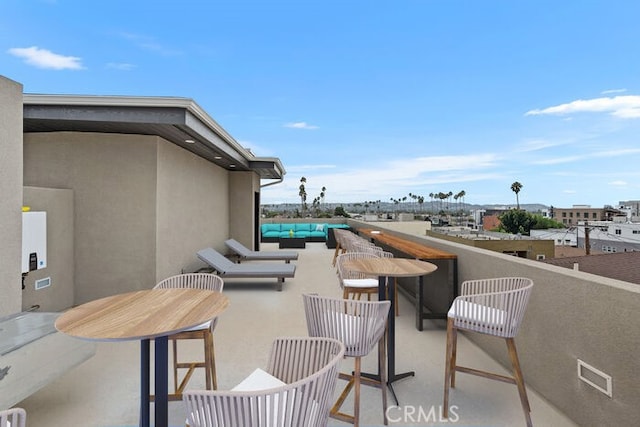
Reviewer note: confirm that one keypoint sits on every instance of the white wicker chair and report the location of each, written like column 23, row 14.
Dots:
column 204, row 332
column 14, row 417
column 307, row 366
column 370, row 248
column 492, row 307
column 355, row 284
column 360, row 325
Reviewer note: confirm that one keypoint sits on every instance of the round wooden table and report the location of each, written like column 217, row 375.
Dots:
column 384, row 268
column 145, row 315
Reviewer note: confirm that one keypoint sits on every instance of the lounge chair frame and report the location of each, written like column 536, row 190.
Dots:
column 246, row 254
column 228, row 269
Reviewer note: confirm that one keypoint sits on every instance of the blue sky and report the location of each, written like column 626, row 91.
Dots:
column 371, row 99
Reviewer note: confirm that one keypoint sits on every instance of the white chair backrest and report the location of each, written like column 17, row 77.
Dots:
column 308, row 366
column 493, row 306
column 361, row 245
column 345, row 273
column 14, row 417
column 205, row 281
column 358, row 324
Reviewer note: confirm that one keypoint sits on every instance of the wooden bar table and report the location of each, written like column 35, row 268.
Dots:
column 145, row 315
column 384, row 268
column 425, row 253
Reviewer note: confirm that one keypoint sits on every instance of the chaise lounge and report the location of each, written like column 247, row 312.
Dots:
column 225, row 268
column 247, row 254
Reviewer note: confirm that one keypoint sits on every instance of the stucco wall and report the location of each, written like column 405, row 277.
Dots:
column 58, row 204
column 242, row 189
column 571, row 315
column 11, row 194
column 192, row 209
column 114, row 182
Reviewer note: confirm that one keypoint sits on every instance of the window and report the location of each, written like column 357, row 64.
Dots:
column 539, row 256
column 594, row 215
column 618, row 231
column 635, row 231
column 586, row 215
column 564, row 214
column 570, row 214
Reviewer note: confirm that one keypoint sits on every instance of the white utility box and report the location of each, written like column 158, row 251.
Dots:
column 34, row 241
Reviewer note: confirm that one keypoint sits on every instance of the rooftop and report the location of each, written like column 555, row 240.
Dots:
column 623, row 266
column 104, row 390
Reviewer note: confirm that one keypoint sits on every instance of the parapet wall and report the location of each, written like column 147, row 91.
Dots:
column 571, row 315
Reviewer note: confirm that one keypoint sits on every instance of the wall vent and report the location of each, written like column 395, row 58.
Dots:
column 43, row 283
column 595, row 378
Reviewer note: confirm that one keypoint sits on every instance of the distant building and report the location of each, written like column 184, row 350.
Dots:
column 571, row 216
column 604, row 236
column 631, row 208
column 490, row 222
column 511, row 244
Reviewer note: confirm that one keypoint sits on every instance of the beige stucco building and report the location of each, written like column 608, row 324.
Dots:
column 133, row 187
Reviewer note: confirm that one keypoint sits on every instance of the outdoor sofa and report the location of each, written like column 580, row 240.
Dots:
column 310, row 231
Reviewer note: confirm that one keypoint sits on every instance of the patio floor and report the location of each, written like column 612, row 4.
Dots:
column 104, row 391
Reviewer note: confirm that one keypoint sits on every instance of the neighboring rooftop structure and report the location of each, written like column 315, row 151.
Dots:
column 620, row 266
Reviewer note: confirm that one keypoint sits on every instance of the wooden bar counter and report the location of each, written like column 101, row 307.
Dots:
column 421, row 252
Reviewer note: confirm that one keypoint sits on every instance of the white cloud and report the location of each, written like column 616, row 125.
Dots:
column 596, row 154
column 300, row 125
column 607, row 92
column 391, row 179
column 626, row 107
column 43, row 58
column 149, row 43
column 541, row 144
column 121, row 66
column 618, row 183
column 303, row 168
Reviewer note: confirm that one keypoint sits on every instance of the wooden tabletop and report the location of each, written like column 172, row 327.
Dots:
column 391, row 267
column 414, row 249
column 142, row 314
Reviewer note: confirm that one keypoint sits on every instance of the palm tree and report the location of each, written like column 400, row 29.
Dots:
column 442, row 196
column 516, row 187
column 303, row 193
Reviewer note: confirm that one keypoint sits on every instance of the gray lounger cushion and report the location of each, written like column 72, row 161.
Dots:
column 247, row 254
column 226, row 268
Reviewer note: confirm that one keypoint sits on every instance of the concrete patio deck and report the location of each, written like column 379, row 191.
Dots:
column 104, row 391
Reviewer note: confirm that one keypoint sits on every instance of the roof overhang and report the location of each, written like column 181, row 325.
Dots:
column 178, row 120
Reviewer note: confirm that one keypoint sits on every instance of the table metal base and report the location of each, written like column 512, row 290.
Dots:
column 161, row 376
